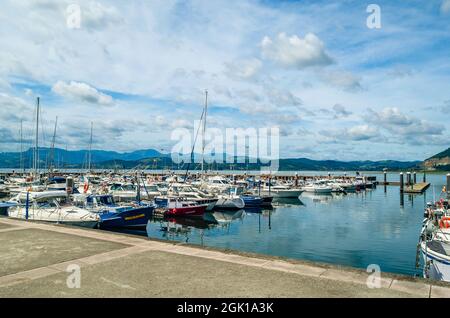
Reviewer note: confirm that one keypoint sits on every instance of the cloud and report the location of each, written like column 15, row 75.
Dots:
column 445, row 6
column 356, row 133
column 283, row 98
column 398, row 123
column 340, row 111
column 81, row 91
column 295, row 52
column 343, row 80
column 243, row 69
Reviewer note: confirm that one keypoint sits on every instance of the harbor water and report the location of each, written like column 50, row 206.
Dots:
column 354, row 229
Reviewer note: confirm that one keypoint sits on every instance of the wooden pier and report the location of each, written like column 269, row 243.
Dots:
column 416, row 188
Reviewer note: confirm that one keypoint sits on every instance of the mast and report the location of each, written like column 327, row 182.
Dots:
column 52, row 150
column 90, row 148
column 36, row 148
column 22, row 166
column 204, row 127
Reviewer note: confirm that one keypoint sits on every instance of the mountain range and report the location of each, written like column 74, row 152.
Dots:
column 153, row 159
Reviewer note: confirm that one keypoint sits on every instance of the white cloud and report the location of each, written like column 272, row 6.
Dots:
column 243, row 69
column 398, row 123
column 95, row 16
column 445, row 6
column 343, row 80
column 81, row 91
column 295, row 52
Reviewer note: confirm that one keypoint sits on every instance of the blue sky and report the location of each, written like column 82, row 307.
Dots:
column 138, row 70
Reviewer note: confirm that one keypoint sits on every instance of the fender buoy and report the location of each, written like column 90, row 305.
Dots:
column 444, row 223
column 86, row 187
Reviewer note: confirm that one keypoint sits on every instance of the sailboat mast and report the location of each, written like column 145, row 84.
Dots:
column 90, row 148
column 22, row 167
column 36, row 148
column 52, row 150
column 204, row 128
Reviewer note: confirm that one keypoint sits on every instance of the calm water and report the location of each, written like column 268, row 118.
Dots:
column 356, row 230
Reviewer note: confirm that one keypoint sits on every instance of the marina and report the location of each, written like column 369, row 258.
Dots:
column 340, row 219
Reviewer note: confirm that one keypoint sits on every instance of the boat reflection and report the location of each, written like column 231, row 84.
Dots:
column 323, row 198
column 288, row 202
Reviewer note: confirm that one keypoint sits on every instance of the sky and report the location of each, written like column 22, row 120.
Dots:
column 336, row 88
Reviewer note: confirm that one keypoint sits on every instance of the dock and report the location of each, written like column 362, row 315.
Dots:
column 40, row 259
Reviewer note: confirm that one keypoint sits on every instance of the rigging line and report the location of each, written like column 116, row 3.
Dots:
column 193, row 145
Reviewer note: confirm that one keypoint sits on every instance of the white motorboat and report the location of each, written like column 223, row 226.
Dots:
column 318, row 187
column 280, row 191
column 436, row 256
column 51, row 206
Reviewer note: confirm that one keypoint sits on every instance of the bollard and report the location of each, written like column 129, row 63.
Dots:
column 401, row 181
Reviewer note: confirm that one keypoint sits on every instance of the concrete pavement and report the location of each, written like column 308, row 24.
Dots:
column 35, row 259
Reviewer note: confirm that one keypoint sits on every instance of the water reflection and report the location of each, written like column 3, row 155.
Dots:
column 353, row 229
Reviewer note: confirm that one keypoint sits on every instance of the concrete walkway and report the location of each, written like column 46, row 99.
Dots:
column 37, row 261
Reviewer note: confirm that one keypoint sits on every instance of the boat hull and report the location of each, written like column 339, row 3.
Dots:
column 186, row 211
column 133, row 218
column 437, row 266
column 230, row 203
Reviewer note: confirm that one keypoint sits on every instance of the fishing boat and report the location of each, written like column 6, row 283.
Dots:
column 51, row 206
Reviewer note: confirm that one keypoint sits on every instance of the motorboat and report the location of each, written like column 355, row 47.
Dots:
column 279, row 191
column 318, row 187
column 133, row 215
column 51, row 206
column 177, row 207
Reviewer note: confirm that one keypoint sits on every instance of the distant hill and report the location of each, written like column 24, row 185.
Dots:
column 440, row 161
column 285, row 165
column 153, row 159
column 71, row 158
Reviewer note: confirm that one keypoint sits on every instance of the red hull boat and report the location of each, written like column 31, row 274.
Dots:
column 186, row 210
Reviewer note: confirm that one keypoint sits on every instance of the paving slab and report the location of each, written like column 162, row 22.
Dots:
column 161, row 274
column 5, row 226
column 440, row 292
column 27, row 249
column 415, row 288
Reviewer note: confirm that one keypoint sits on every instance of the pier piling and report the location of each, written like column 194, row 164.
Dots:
column 408, row 178
column 414, row 177
column 424, row 177
column 448, row 183
column 401, row 182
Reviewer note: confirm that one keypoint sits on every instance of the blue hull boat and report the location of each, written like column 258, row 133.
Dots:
column 252, row 201
column 126, row 217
